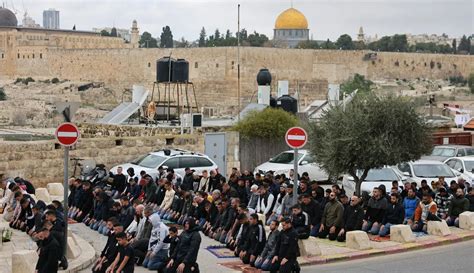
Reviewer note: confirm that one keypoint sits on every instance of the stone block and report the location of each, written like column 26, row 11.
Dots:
column 43, row 194
column 24, row 261
column 73, row 249
column 55, row 189
column 466, row 220
column 357, row 240
column 262, row 218
column 401, row 234
column 438, row 228
column 309, row 247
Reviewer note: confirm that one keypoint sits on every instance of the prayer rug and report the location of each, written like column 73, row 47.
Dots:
column 221, row 251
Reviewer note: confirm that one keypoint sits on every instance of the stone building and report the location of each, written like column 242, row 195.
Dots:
column 291, row 27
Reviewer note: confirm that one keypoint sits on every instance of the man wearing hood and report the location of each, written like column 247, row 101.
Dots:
column 157, row 249
column 185, row 257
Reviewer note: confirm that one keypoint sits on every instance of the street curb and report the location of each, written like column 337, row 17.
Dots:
column 440, row 241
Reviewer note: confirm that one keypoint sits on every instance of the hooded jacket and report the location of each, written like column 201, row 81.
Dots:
column 188, row 246
column 376, row 209
column 457, row 206
column 158, row 234
column 395, row 214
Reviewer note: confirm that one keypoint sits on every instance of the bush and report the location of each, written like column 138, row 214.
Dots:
column 470, row 82
column 358, row 82
column 457, row 80
column 18, row 80
column 3, row 96
column 55, row 80
column 28, row 80
column 270, row 123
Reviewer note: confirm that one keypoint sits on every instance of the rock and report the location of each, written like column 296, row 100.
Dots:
column 357, row 240
column 401, row 234
column 73, row 249
column 309, row 247
column 43, row 194
column 55, row 189
column 438, row 228
column 466, row 220
column 24, row 261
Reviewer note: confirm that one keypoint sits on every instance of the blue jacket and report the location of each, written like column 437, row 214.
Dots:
column 410, row 206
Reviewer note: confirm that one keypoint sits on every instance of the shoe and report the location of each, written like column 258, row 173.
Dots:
column 64, row 264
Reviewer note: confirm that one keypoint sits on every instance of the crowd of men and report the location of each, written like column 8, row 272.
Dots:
column 140, row 214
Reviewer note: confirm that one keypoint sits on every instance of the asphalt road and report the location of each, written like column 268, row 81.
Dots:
column 457, row 257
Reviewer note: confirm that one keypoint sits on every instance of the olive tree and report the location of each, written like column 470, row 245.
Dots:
column 369, row 133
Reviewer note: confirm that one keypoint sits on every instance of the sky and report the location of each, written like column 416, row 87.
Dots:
column 326, row 18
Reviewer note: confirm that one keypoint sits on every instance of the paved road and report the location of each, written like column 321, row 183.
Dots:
column 451, row 258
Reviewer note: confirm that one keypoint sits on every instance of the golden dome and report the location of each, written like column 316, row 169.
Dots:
column 291, row 19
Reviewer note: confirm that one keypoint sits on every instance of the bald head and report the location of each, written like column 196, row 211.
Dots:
column 139, row 209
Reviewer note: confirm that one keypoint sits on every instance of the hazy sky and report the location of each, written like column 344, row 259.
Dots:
column 327, row 18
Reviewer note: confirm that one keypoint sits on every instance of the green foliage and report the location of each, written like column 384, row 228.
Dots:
column 24, row 81
column 358, row 82
column 18, row 80
column 256, row 39
column 344, row 42
column 396, row 43
column 464, row 45
column 454, row 46
column 270, row 123
column 183, row 43
column 328, row 45
column 309, row 44
column 104, row 33
column 457, row 80
column 147, row 41
column 218, row 39
column 166, row 38
column 431, row 48
column 470, row 82
column 202, row 37
column 3, row 96
column 55, row 80
column 370, row 133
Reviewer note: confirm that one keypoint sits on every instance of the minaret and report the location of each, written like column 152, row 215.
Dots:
column 135, row 35
column 361, row 35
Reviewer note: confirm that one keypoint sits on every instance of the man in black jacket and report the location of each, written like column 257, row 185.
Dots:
column 255, row 240
column 314, row 211
column 300, row 222
column 86, row 201
column 109, row 252
column 119, row 183
column 184, row 259
column 242, row 242
column 375, row 212
column 48, row 252
column 287, row 250
column 188, row 180
column 353, row 217
column 394, row 215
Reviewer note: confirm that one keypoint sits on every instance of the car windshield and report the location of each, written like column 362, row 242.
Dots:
column 285, row 158
column 432, row 170
column 443, row 151
column 384, row 174
column 469, row 165
column 149, row 161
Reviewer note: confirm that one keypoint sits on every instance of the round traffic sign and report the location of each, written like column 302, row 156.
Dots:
column 67, row 134
column 296, row 137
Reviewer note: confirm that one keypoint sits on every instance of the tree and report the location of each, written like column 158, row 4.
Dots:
column 328, row 45
column 217, row 34
column 228, row 34
column 358, row 82
column 3, row 96
column 271, row 123
column 243, row 34
column 399, row 43
column 256, row 39
column 464, row 45
column 147, row 41
column 202, row 37
column 113, row 32
column 344, row 42
column 369, row 133
column 183, row 43
column 166, row 38
column 309, row 44
column 104, row 33
column 455, row 48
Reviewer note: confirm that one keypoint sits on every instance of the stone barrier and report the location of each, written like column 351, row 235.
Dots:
column 401, row 234
column 24, row 261
column 438, row 228
column 358, row 240
column 466, row 220
column 43, row 194
column 309, row 247
column 55, row 189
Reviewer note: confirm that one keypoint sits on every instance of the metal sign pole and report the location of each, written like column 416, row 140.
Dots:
column 66, row 188
column 295, row 177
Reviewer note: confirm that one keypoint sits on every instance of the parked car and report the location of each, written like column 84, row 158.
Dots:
column 283, row 163
column 176, row 159
column 443, row 152
column 376, row 177
column 429, row 170
column 464, row 165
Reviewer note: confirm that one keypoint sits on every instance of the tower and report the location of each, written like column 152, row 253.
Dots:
column 361, row 35
column 135, row 35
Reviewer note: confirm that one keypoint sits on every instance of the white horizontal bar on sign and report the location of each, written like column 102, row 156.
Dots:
column 293, row 137
column 67, row 134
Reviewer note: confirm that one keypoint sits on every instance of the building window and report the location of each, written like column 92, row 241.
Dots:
column 33, row 56
column 217, row 65
column 291, row 32
column 196, row 65
column 18, row 55
column 149, row 64
column 41, row 55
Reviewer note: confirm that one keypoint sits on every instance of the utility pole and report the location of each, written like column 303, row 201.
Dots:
column 238, row 62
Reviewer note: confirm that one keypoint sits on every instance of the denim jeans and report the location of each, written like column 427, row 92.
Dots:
column 371, row 228
column 315, row 230
column 264, row 264
column 156, row 261
column 385, row 230
column 452, row 221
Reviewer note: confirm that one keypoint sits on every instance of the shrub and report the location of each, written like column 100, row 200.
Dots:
column 18, row 80
column 28, row 80
column 470, row 82
column 270, row 123
column 457, row 80
column 55, row 80
column 3, row 96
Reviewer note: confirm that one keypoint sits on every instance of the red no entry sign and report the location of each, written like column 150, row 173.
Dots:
column 296, row 137
column 67, row 134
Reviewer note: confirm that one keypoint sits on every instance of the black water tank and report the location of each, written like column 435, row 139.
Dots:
column 273, row 102
column 180, row 71
column 163, row 69
column 264, row 77
column 287, row 103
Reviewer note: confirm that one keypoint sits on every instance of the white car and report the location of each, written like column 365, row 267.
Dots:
column 429, row 170
column 175, row 159
column 464, row 165
column 376, row 177
column 283, row 163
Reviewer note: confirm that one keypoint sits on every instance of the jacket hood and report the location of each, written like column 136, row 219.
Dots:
column 155, row 220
